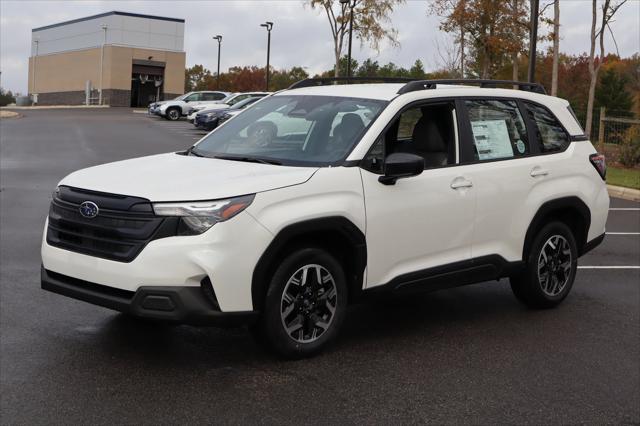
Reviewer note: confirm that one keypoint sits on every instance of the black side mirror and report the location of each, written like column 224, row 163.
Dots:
column 401, row 165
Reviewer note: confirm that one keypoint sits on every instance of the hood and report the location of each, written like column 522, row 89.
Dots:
column 175, row 177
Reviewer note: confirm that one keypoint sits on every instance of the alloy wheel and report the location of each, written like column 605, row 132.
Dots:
column 308, row 303
column 554, row 265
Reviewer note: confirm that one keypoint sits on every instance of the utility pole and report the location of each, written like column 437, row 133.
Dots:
column 104, row 41
column 351, row 6
column 219, row 38
column 533, row 38
column 268, row 25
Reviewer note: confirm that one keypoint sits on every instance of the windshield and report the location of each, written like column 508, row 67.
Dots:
column 293, row 130
column 181, row 97
column 227, row 98
column 242, row 104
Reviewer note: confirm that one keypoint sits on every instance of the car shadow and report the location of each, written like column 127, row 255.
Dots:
column 388, row 320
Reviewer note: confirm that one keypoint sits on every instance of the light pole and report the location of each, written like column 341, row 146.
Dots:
column 351, row 6
column 533, row 38
column 33, row 77
column 104, row 41
column 268, row 25
column 219, row 38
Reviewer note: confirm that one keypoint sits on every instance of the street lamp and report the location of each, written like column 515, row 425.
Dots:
column 351, row 6
column 104, row 41
column 268, row 25
column 219, row 38
column 33, row 77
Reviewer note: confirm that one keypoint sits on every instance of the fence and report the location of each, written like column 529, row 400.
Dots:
column 616, row 130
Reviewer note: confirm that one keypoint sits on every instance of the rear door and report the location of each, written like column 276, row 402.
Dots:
column 499, row 159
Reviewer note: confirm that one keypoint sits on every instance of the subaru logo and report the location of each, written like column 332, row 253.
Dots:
column 89, row 209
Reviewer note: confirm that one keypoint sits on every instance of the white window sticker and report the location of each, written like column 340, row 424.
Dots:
column 492, row 139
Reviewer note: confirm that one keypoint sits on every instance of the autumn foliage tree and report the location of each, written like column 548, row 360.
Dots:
column 493, row 30
column 370, row 19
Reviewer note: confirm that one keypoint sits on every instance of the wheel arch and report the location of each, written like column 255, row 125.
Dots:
column 336, row 234
column 571, row 211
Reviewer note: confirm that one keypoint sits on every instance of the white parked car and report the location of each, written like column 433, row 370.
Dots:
column 180, row 106
column 323, row 195
column 227, row 102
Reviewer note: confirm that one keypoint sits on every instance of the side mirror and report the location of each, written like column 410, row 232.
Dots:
column 401, row 165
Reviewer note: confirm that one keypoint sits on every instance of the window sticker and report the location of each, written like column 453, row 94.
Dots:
column 521, row 147
column 492, row 139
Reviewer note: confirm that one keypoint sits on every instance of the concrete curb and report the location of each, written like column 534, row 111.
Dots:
column 9, row 114
column 14, row 107
column 624, row 193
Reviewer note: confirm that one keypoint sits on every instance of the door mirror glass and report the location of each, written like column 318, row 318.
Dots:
column 401, row 165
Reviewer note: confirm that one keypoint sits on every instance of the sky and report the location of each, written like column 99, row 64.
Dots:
column 300, row 37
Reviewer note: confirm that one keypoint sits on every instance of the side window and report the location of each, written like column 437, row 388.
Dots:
column 425, row 130
column 550, row 135
column 212, row 96
column 374, row 160
column 498, row 129
column 194, row 97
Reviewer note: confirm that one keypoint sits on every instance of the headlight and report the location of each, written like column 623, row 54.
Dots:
column 198, row 216
column 210, row 115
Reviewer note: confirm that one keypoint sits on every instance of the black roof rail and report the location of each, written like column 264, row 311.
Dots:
column 322, row 81
column 412, row 86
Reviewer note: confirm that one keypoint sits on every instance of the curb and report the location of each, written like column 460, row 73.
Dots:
column 36, row 107
column 624, row 193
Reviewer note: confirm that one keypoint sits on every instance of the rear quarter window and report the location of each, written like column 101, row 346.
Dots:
column 549, row 133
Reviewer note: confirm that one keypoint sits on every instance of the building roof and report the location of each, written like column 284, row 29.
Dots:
column 100, row 15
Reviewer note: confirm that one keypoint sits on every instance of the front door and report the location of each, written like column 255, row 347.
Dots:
column 425, row 221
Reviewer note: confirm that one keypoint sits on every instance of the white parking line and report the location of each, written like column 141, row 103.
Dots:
column 608, row 267
column 625, row 209
column 623, row 233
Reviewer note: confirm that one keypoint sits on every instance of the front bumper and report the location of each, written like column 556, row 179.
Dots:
column 176, row 304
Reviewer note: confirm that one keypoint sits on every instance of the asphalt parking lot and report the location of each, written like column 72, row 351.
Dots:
column 470, row 355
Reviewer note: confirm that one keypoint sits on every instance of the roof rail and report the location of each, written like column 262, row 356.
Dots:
column 322, row 81
column 412, row 86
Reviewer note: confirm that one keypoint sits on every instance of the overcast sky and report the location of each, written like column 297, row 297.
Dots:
column 300, row 36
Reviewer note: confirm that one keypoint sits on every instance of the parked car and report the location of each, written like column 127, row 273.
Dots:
column 179, row 107
column 324, row 195
column 225, row 103
column 209, row 119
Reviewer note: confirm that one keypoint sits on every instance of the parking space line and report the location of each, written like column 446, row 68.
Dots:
column 623, row 233
column 624, row 209
column 608, row 267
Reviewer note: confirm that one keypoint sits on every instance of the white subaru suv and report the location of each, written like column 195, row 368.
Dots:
column 324, row 194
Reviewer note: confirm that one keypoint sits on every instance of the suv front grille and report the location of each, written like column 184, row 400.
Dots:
column 122, row 228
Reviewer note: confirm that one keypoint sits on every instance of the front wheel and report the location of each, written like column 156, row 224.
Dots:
column 305, row 304
column 550, row 269
column 173, row 114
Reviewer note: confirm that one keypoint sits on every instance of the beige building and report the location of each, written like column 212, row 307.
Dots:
column 115, row 58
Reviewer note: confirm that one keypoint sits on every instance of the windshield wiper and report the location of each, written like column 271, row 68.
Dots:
column 192, row 151
column 248, row 159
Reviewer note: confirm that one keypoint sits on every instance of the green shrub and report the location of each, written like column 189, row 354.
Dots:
column 629, row 155
column 6, row 98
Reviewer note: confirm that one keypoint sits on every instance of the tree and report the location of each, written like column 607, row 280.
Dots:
column 612, row 93
column 368, row 19
column 609, row 9
column 556, row 47
column 417, row 70
column 493, row 29
column 197, row 78
column 6, row 98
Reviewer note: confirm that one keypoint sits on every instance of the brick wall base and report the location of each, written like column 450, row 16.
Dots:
column 112, row 97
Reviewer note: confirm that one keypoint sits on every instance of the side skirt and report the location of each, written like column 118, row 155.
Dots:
column 472, row 271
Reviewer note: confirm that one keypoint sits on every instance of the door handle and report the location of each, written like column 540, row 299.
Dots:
column 537, row 171
column 461, row 182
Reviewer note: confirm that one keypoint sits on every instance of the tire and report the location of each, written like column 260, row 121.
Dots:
column 300, row 301
column 173, row 114
column 550, row 269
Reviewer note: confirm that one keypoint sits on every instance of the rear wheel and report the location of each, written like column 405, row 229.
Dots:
column 550, row 270
column 173, row 114
column 305, row 304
